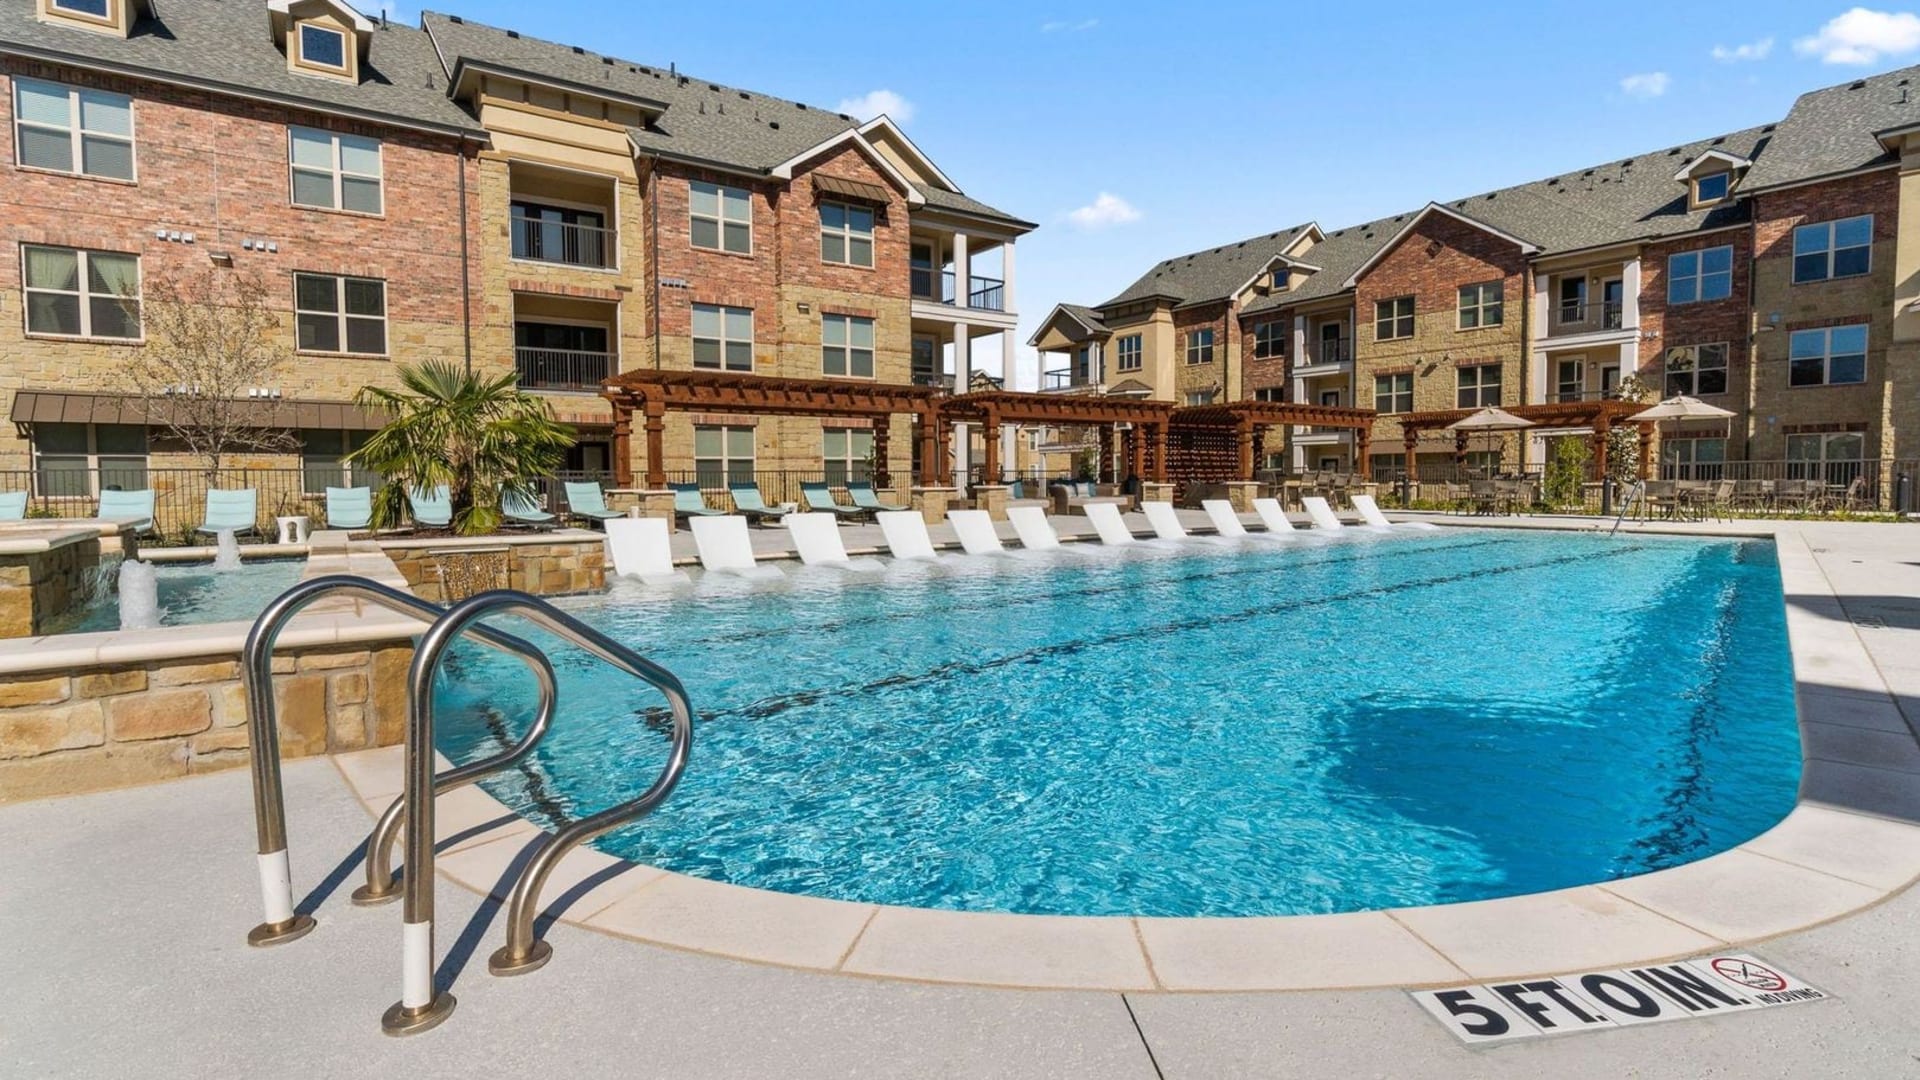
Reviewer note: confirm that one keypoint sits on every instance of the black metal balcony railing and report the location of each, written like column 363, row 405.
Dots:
column 1601, row 315
column 933, row 378
column 1330, row 351
column 983, row 293
column 559, row 242
column 562, row 369
column 1566, row 395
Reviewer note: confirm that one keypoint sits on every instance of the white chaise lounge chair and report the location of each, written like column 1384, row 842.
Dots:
column 1164, row 519
column 1106, row 521
column 1274, row 518
column 1370, row 512
column 975, row 529
column 817, row 535
column 642, row 548
column 906, row 534
column 1321, row 513
column 1225, row 521
column 1030, row 524
column 726, row 548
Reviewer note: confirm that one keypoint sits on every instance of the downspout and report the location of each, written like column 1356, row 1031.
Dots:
column 466, row 270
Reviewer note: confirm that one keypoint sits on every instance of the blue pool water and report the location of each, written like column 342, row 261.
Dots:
column 1269, row 728
column 193, row 593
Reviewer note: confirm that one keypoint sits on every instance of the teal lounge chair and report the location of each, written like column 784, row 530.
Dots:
column 13, row 505
column 747, row 503
column 349, row 508
column 128, row 504
column 231, row 509
column 517, row 508
column 820, row 497
column 433, row 511
column 689, row 503
column 865, row 498
column 588, row 501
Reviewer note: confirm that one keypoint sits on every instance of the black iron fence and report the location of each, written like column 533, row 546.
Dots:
column 1752, row 488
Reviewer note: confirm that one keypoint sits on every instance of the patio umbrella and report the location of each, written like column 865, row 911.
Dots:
column 1680, row 408
column 1491, row 421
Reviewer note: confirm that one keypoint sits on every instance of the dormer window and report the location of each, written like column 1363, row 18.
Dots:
column 1281, row 278
column 1712, row 188
column 91, row 9
column 100, row 16
column 323, row 46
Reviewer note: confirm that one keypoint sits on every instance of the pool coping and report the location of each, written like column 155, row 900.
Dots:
column 1825, row 860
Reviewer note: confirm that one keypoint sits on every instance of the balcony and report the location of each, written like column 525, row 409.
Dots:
column 1325, row 356
column 1568, row 395
column 1066, row 381
column 562, row 369
column 538, row 239
column 1586, row 317
column 983, row 293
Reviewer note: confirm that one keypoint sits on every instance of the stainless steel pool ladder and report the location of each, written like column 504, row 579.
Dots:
column 420, row 1006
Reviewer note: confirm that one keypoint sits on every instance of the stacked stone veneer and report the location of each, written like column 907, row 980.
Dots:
column 45, row 575
column 557, row 566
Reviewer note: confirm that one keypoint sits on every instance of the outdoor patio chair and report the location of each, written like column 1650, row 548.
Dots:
column 749, row 504
column 519, row 509
column 13, row 505
column 688, row 502
column 231, row 510
column 820, row 497
column 1792, row 495
column 1484, row 495
column 1854, row 497
column 864, row 497
column 349, row 508
column 433, row 510
column 128, row 504
column 586, row 500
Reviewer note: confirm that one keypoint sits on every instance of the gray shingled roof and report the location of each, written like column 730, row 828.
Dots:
column 1086, row 315
column 1831, row 131
column 942, row 199
column 703, row 121
column 227, row 45
column 1213, row 274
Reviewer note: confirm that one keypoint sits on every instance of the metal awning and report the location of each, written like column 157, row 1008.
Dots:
column 851, row 189
column 70, row 407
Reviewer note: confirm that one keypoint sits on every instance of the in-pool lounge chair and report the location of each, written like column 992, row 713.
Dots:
column 725, row 547
column 748, row 503
column 976, row 532
column 1164, row 519
column 433, row 510
column 137, row 505
column 820, row 497
column 1030, row 524
column 1106, row 521
column 817, row 538
column 231, row 510
column 1274, row 518
column 1322, row 514
column 349, row 508
column 586, row 500
column 906, row 534
column 517, row 508
column 1225, row 521
column 867, row 499
column 1370, row 512
column 689, row 503
column 642, row 548
column 13, row 505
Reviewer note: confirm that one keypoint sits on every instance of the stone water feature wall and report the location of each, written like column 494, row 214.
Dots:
column 43, row 575
column 560, row 563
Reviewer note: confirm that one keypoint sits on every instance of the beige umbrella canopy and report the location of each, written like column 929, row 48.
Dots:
column 1682, row 408
column 1490, row 421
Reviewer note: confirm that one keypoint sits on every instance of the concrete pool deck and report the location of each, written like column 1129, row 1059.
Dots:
column 156, row 853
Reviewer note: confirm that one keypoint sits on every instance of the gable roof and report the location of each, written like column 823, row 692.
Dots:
column 226, row 47
column 1087, row 318
column 1214, row 274
column 1526, row 246
column 1831, row 131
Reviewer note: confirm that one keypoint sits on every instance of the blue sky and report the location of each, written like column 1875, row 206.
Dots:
column 1209, row 124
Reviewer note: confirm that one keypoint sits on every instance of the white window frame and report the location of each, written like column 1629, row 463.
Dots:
column 339, row 313
column 1480, row 386
column 726, row 461
column 1699, row 277
column 723, row 311
column 849, row 460
column 337, row 172
column 1488, row 298
column 1392, row 319
column 719, row 216
column 1200, row 346
column 1129, row 353
column 1394, row 393
column 1829, row 251
column 1689, row 360
column 84, row 294
column 1270, row 340
column 848, row 234
column 848, row 349
column 1826, row 355
column 75, row 132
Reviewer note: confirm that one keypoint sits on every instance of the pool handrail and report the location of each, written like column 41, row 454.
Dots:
column 281, row 923
column 421, row 1006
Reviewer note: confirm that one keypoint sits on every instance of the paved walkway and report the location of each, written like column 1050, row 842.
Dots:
column 123, row 916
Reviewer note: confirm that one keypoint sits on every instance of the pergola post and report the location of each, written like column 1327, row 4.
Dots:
column 1159, row 452
column 990, row 448
column 622, row 444
column 1646, row 451
column 1243, row 447
column 1600, row 428
column 1459, row 449
column 1363, row 449
column 1410, row 440
column 656, row 444
column 1137, row 453
column 882, row 476
column 1108, row 465
column 926, row 425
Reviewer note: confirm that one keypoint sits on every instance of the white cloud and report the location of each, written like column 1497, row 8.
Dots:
column 875, row 102
column 1105, row 211
column 1645, row 86
column 1059, row 26
column 1862, row 36
column 1752, row 50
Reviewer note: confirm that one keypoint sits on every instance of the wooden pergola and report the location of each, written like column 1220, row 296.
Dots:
column 1244, row 423
column 1601, row 416
column 1146, row 422
column 653, row 393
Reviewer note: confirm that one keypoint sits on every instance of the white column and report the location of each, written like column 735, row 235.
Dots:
column 1542, row 309
column 1299, row 355
column 1099, row 365
column 962, row 273
column 1008, row 357
column 962, row 378
column 1006, row 271
column 1630, row 297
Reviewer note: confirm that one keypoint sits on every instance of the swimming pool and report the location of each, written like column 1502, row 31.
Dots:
column 1263, row 729
column 193, row 593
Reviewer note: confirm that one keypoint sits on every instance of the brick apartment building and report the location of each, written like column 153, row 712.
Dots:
column 457, row 191
column 1769, row 271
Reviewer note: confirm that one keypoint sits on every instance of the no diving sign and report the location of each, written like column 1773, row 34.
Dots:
column 1656, row 993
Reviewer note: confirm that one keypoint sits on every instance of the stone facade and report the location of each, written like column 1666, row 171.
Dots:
column 547, row 567
column 39, row 586
column 69, row 731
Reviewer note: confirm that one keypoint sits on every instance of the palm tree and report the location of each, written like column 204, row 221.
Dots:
column 479, row 435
